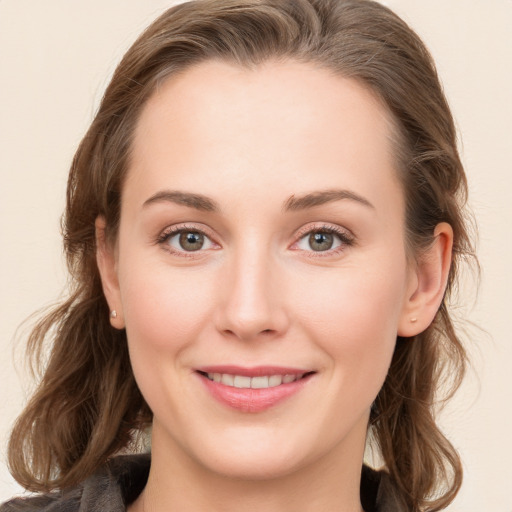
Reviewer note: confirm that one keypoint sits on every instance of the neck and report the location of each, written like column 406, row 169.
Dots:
column 177, row 482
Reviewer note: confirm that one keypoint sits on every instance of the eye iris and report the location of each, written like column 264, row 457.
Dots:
column 190, row 241
column 321, row 241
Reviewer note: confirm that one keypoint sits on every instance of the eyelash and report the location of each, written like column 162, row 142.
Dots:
column 171, row 231
column 346, row 239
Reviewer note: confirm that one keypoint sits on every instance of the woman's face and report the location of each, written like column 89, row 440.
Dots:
column 261, row 242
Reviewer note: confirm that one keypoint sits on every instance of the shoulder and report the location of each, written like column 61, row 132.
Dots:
column 379, row 493
column 114, row 486
column 122, row 479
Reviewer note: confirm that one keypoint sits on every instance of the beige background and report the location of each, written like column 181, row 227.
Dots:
column 55, row 60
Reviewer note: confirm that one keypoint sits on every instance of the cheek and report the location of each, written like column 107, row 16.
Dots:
column 164, row 312
column 354, row 317
column 163, row 308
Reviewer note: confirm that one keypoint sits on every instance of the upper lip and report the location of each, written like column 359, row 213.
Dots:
column 255, row 371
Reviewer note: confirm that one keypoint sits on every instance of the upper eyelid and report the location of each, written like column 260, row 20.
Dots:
column 177, row 228
column 325, row 226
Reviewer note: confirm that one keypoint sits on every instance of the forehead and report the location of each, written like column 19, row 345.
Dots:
column 281, row 119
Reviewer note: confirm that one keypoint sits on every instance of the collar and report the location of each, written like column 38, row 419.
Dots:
column 120, row 481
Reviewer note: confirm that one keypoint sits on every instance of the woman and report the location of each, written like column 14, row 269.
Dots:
column 263, row 224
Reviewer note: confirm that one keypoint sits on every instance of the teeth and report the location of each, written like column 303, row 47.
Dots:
column 228, row 380
column 275, row 380
column 244, row 382
column 260, row 382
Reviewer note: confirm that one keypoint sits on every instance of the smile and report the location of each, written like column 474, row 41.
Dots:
column 253, row 390
column 260, row 382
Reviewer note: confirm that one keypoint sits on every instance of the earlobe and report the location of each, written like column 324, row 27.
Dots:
column 426, row 293
column 106, row 261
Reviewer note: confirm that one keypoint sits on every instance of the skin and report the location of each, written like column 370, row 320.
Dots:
column 257, row 293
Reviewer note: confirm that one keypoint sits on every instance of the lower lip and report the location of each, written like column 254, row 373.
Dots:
column 253, row 400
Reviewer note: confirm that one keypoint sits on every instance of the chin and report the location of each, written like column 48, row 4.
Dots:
column 254, row 466
column 261, row 454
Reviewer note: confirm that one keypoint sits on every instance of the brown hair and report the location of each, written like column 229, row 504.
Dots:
column 87, row 406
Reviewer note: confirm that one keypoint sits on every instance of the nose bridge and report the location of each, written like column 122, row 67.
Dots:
column 253, row 302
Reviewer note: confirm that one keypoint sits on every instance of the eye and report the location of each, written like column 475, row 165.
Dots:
column 325, row 239
column 186, row 240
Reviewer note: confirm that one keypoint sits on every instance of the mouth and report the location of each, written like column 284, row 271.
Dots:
column 257, row 382
column 255, row 389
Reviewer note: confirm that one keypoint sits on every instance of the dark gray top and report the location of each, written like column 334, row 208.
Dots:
column 121, row 480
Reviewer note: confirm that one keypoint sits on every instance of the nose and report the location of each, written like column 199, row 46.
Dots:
column 252, row 298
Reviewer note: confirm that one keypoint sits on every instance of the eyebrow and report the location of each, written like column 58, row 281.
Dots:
column 322, row 197
column 197, row 201
column 293, row 203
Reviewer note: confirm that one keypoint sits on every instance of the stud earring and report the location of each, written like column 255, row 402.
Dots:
column 414, row 320
column 113, row 314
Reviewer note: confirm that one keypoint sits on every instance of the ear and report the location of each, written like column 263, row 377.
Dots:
column 427, row 284
column 107, row 265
